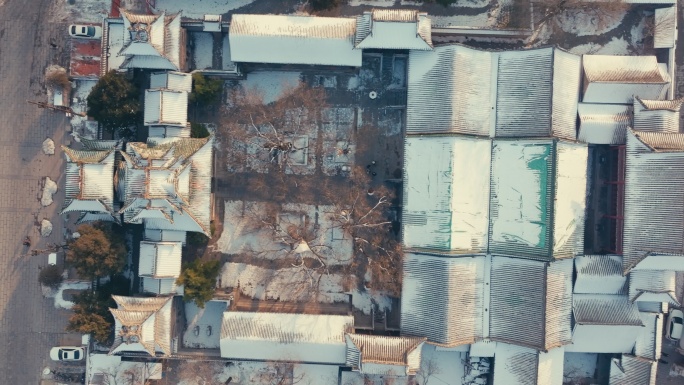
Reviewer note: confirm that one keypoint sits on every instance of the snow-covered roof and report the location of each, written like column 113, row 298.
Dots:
column 631, row 370
column 599, row 274
column 531, row 302
column 151, row 41
column 649, row 343
column 281, row 39
column 166, row 184
column 665, row 32
column 653, row 227
column 166, row 107
column 142, row 325
column 657, row 115
column 603, row 123
column 526, row 218
column 160, row 259
column 155, row 235
column 394, row 29
column 487, row 93
column 653, row 286
column 443, row 298
column 384, row 351
column 285, row 337
column 161, row 286
column 519, row 365
column 446, row 193
column 616, row 79
column 89, row 185
column 175, row 81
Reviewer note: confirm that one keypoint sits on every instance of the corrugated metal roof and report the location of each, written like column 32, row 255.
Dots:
column 649, row 343
column 630, row 370
column 605, row 309
column 657, row 115
column 446, row 194
column 567, row 77
column 599, row 274
column 292, row 26
column 653, row 286
column 653, row 225
column 665, row 33
column 405, row 15
column 363, row 349
column 622, row 69
column 285, row 337
column 569, row 201
column 442, row 298
column 516, row 365
column 524, row 93
column 526, row 314
column 604, row 123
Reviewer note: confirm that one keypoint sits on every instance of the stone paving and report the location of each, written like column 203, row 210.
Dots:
column 29, row 323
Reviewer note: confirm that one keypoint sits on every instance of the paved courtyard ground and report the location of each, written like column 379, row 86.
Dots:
column 29, row 323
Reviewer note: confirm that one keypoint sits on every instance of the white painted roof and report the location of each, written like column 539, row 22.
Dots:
column 285, row 337
column 160, row 259
column 175, row 81
column 393, row 29
column 280, row 39
column 446, row 193
column 653, row 286
column 166, row 107
column 616, row 79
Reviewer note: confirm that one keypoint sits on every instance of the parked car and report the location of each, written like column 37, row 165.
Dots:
column 67, row 353
column 85, row 31
column 674, row 324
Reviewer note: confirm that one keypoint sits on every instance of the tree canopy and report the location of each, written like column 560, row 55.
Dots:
column 115, row 102
column 205, row 90
column 98, row 252
column 199, row 280
column 91, row 309
column 51, row 276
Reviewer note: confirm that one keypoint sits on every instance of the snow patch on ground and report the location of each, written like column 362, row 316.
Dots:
column 49, row 188
column 617, row 46
column 48, row 147
column 60, row 302
column 450, row 367
column 316, row 374
column 581, row 23
column 196, row 9
column 271, row 84
column 579, row 366
column 482, row 20
column 288, row 284
column 45, row 228
column 203, row 52
column 242, row 235
column 209, row 318
column 81, row 11
column 364, row 301
column 82, row 127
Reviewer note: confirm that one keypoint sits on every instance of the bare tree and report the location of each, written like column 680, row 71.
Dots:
column 427, row 369
column 199, row 372
column 602, row 13
column 137, row 374
column 276, row 133
column 279, row 373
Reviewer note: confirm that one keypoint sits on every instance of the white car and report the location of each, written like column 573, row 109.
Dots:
column 67, row 353
column 85, row 31
column 674, row 324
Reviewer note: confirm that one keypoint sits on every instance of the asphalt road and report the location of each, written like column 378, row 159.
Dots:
column 29, row 323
